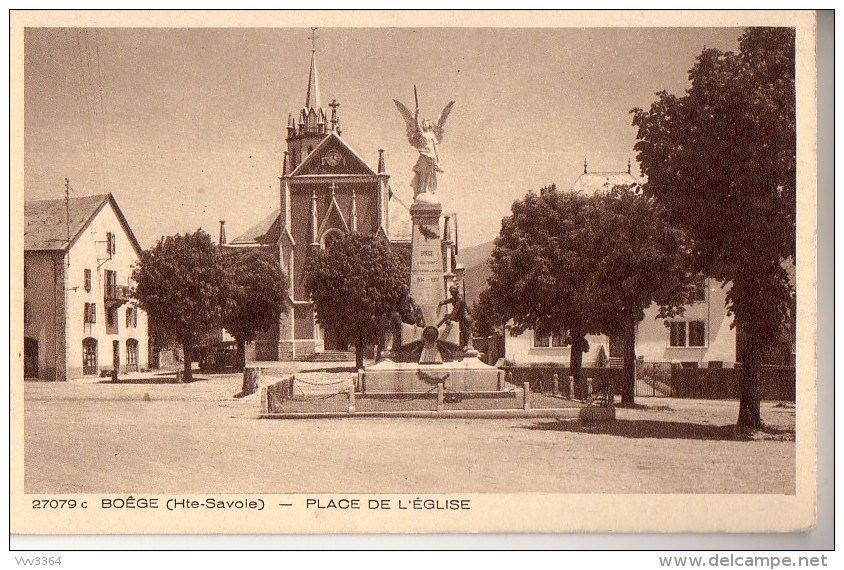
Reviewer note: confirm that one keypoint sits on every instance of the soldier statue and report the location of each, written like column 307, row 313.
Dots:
column 459, row 314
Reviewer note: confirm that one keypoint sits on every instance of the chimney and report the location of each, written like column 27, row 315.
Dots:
column 222, row 232
column 381, row 167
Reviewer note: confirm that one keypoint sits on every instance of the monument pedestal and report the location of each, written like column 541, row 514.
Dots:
column 430, row 355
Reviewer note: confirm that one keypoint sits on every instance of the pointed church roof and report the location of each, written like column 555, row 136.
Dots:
column 312, row 97
column 593, row 182
column 265, row 232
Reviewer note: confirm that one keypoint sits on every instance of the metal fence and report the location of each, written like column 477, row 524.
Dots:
column 667, row 379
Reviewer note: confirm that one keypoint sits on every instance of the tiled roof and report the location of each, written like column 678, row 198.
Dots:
column 267, row 231
column 45, row 222
column 595, row 182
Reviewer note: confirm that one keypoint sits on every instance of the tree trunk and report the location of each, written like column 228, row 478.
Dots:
column 575, row 366
column 359, row 351
column 241, row 354
column 750, row 416
column 188, row 359
column 628, row 386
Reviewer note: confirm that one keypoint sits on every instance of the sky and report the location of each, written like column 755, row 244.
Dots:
column 186, row 126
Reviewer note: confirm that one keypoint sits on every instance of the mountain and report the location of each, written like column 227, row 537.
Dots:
column 475, row 259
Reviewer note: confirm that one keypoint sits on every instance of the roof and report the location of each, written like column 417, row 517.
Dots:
column 267, row 231
column 46, row 221
column 595, row 182
column 331, row 138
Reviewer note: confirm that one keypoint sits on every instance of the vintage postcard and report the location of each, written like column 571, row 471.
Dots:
column 429, row 272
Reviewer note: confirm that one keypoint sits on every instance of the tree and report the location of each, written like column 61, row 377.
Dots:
column 539, row 265
column 256, row 294
column 721, row 160
column 180, row 284
column 641, row 260
column 565, row 263
column 352, row 283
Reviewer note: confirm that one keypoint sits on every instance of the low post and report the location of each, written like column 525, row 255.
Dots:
column 352, row 399
column 440, row 397
column 571, row 387
column 180, row 376
column 526, row 404
column 265, row 405
column 500, row 381
column 556, row 387
column 251, row 380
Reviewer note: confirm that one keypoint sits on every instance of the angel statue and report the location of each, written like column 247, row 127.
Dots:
column 425, row 137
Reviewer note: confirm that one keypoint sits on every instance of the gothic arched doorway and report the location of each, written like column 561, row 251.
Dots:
column 331, row 236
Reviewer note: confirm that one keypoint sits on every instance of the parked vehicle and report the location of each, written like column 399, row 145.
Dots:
column 219, row 356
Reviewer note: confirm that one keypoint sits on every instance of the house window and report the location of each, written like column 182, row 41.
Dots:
column 678, row 334
column 545, row 341
column 697, row 333
column 111, row 284
column 558, row 341
column 88, row 280
column 541, row 340
column 131, row 317
column 111, row 317
column 90, row 312
column 111, row 245
column 27, row 313
column 691, row 333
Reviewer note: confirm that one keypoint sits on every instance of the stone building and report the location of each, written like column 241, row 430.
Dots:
column 79, row 317
column 326, row 190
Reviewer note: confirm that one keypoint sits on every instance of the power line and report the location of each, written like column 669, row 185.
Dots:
column 102, row 110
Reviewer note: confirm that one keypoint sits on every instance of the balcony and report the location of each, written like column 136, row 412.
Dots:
column 116, row 295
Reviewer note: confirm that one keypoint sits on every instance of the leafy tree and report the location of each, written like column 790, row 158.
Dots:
column 538, row 267
column 256, row 291
column 574, row 264
column 352, row 283
column 641, row 260
column 721, row 160
column 486, row 314
column 180, row 284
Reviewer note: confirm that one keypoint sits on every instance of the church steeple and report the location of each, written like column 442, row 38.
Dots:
column 305, row 134
column 312, row 97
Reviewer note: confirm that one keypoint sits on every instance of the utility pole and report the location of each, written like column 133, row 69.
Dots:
column 67, row 215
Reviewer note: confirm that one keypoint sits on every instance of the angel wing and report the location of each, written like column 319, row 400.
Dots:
column 410, row 122
column 439, row 128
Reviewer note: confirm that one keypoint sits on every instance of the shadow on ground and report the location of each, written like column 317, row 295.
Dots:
column 158, row 379
column 654, row 429
column 350, row 369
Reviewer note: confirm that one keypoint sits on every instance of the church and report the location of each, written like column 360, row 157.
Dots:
column 326, row 190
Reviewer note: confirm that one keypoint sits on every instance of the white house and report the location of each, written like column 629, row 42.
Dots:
column 79, row 317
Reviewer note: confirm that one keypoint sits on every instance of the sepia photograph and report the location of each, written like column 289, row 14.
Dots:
column 292, row 272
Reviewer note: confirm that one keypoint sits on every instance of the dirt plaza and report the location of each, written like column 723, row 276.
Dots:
column 147, row 434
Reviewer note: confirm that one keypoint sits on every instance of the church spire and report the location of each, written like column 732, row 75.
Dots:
column 312, row 98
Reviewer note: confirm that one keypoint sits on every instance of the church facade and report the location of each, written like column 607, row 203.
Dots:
column 326, row 190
